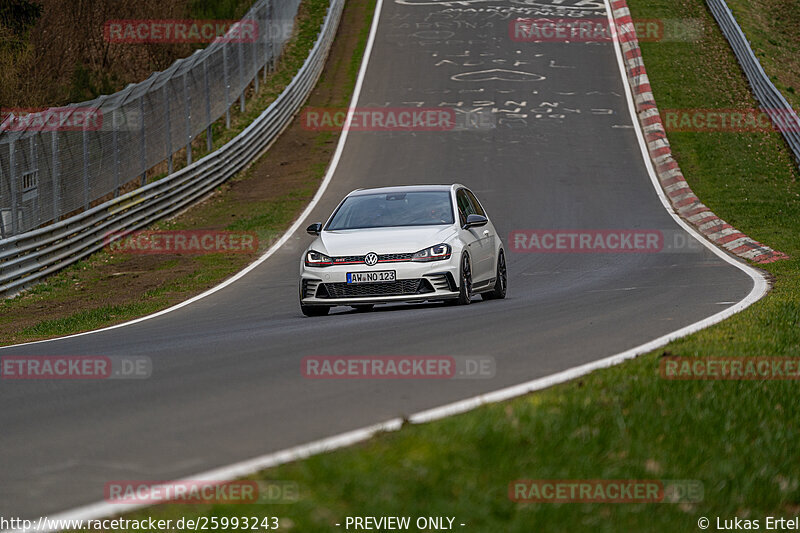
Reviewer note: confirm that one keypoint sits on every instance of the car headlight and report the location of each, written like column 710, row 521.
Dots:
column 434, row 253
column 316, row 259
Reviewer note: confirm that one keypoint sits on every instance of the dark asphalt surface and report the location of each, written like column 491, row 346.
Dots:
column 226, row 383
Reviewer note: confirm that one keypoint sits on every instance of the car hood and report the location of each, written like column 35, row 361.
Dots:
column 383, row 240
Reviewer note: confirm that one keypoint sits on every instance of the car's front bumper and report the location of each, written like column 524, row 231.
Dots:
column 415, row 282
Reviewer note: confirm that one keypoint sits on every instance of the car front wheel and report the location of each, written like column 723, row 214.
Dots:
column 465, row 285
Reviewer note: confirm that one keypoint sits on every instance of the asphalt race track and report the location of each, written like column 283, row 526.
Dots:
column 554, row 148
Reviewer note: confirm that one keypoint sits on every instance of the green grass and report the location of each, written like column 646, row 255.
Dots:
column 57, row 287
column 739, row 438
column 91, row 319
column 622, row 423
column 770, row 26
column 750, row 180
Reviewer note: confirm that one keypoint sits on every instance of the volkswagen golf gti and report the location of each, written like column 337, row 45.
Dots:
column 402, row 244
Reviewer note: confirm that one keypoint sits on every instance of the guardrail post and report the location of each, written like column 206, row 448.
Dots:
column 270, row 38
column 209, row 133
column 85, row 168
column 54, row 175
column 115, row 149
column 37, row 174
column 13, row 185
column 169, row 129
column 240, row 49
column 143, row 142
column 264, row 33
column 227, row 85
column 187, row 111
column 254, row 47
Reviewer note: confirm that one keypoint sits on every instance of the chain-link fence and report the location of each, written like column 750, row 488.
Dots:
column 85, row 152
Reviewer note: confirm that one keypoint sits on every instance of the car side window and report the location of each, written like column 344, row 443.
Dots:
column 464, row 206
column 477, row 208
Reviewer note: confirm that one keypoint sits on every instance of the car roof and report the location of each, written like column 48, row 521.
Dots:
column 404, row 188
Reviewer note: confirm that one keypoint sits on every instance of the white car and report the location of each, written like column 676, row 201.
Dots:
column 402, row 244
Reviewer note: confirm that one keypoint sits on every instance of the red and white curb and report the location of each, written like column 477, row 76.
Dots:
column 680, row 195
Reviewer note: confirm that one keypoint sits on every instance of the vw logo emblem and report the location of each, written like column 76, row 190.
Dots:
column 371, row 259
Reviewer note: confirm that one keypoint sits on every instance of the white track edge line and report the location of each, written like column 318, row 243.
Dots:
column 250, row 466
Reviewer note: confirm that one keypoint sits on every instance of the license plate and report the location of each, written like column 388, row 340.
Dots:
column 371, row 277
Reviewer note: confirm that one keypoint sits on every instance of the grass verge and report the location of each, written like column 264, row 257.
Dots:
column 739, row 438
column 771, row 28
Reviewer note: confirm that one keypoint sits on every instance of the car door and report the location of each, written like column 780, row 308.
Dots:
column 485, row 240
column 472, row 237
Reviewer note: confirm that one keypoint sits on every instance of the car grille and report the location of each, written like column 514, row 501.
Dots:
column 382, row 258
column 392, row 288
column 394, row 257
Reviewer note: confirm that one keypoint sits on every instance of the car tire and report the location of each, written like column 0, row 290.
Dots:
column 363, row 308
column 465, row 281
column 501, row 280
column 314, row 310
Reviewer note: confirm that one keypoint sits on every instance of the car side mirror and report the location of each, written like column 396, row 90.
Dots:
column 314, row 229
column 475, row 221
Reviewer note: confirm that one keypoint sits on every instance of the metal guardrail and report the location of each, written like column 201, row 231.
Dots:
column 26, row 258
column 58, row 161
column 767, row 94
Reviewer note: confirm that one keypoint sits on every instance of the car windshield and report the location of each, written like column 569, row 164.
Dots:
column 419, row 208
